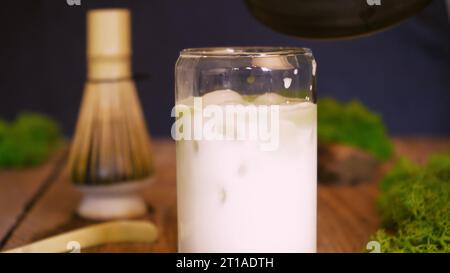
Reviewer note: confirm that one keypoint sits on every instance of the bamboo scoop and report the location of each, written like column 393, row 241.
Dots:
column 112, row 232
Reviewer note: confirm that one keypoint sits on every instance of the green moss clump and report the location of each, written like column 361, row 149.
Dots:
column 415, row 203
column 28, row 140
column 353, row 124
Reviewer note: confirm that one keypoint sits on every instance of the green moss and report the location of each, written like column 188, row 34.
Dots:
column 353, row 124
column 28, row 140
column 414, row 203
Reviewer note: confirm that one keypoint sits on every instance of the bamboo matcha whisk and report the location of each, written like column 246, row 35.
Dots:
column 111, row 144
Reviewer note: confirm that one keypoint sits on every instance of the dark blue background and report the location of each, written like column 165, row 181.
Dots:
column 403, row 73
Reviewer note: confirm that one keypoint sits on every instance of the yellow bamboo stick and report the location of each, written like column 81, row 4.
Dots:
column 100, row 234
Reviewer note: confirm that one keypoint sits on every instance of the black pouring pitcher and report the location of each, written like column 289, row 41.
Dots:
column 332, row 19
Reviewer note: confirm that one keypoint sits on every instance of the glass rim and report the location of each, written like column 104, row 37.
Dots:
column 245, row 51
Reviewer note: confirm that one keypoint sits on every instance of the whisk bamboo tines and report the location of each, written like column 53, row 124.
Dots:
column 111, row 141
column 111, row 146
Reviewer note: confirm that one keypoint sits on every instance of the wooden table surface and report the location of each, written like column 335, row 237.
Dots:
column 40, row 202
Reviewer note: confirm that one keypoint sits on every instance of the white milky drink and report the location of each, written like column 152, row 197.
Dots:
column 233, row 194
column 246, row 138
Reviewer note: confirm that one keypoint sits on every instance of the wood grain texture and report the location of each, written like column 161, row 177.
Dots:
column 19, row 189
column 346, row 214
column 55, row 211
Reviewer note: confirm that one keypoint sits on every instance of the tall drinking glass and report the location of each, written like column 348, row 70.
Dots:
column 246, row 133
